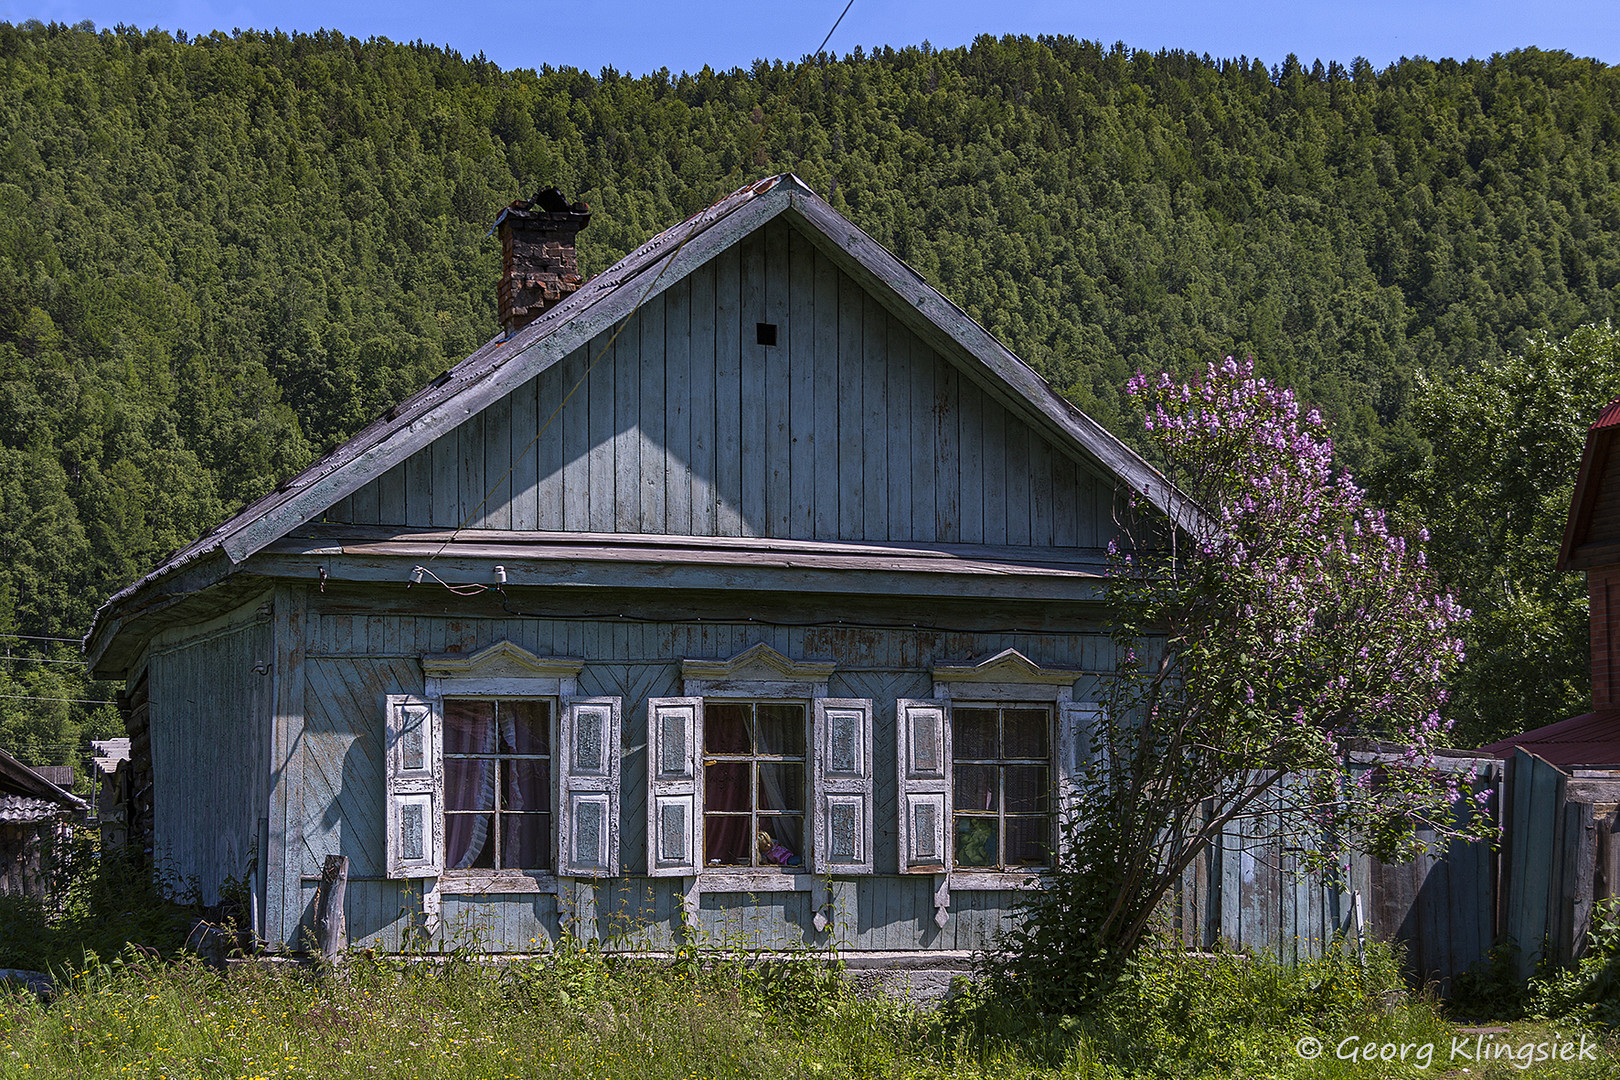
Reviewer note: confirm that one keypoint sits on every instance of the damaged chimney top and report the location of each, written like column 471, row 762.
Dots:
column 539, row 267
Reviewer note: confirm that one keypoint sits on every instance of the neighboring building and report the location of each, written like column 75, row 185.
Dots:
column 776, row 605
column 1590, row 742
column 35, row 817
column 1561, row 817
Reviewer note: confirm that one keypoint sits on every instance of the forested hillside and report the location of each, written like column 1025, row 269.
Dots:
column 219, row 255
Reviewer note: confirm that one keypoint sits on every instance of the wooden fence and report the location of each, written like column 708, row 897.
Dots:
column 1250, row 891
column 1561, row 856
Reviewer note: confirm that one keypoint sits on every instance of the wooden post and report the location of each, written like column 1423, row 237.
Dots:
column 331, row 931
column 1608, row 853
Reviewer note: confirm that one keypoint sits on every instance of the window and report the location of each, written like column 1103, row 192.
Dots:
column 499, row 775
column 756, row 769
column 1002, row 790
column 497, row 784
column 753, row 783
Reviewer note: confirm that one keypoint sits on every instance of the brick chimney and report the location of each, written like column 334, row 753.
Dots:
column 539, row 268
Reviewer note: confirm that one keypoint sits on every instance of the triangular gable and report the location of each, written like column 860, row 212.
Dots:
column 1592, row 533
column 765, row 394
column 502, row 366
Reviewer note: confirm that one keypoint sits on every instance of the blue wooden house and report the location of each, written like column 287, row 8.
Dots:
column 749, row 589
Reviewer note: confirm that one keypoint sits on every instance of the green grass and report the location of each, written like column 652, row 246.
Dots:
column 581, row 1014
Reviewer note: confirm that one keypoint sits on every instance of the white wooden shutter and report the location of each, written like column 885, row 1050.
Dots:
column 1078, row 724
column 841, row 810
column 674, row 787
column 415, row 772
column 588, row 788
column 923, row 761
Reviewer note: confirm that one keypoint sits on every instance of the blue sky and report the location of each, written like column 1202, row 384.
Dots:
column 639, row 36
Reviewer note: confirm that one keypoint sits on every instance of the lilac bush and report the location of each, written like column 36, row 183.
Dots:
column 1262, row 647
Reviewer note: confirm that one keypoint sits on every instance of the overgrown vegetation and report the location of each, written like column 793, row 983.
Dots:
column 151, row 1009
column 104, row 903
column 1588, row 992
column 580, row 1013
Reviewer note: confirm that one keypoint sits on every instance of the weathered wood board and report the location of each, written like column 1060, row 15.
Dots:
column 848, row 428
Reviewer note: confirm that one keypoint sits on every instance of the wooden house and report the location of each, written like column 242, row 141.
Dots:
column 747, row 590
column 36, row 815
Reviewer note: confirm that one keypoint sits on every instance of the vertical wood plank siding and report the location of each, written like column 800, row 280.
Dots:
column 355, row 660
column 210, row 722
column 848, row 428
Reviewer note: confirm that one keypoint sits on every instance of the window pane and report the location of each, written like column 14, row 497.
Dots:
column 1023, row 733
column 781, row 786
column 469, row 784
column 525, row 727
column 975, row 787
column 973, row 733
column 1025, row 790
column 1026, row 841
column 526, row 841
column 726, row 728
column 527, row 786
column 780, row 840
column 975, row 841
column 780, row 729
column 725, row 786
column 726, row 840
column 469, row 727
column 467, row 841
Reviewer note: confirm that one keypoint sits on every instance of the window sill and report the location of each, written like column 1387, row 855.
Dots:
column 759, row 880
column 470, row 882
column 995, row 880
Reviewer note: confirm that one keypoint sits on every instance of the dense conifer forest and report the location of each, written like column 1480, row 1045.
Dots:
column 220, row 255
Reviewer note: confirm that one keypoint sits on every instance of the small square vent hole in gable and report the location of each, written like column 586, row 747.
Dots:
column 765, row 333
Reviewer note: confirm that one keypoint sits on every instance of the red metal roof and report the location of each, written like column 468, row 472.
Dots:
column 1610, row 416
column 1589, row 740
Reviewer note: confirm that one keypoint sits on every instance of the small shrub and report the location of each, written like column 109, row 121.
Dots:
column 1590, row 993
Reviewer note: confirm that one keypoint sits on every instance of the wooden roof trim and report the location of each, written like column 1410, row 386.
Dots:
column 760, row 662
column 1588, row 486
column 381, row 565
column 332, row 538
column 1007, row 666
column 25, row 781
column 522, row 560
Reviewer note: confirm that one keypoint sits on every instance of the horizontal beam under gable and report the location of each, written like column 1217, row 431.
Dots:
column 396, row 566
column 325, row 538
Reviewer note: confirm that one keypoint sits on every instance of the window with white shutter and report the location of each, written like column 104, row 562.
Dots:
column 674, row 791
column 842, row 801
column 923, row 754
column 415, row 777
column 588, row 775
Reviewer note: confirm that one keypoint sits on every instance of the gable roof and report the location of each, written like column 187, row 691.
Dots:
column 1592, row 533
column 502, row 365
